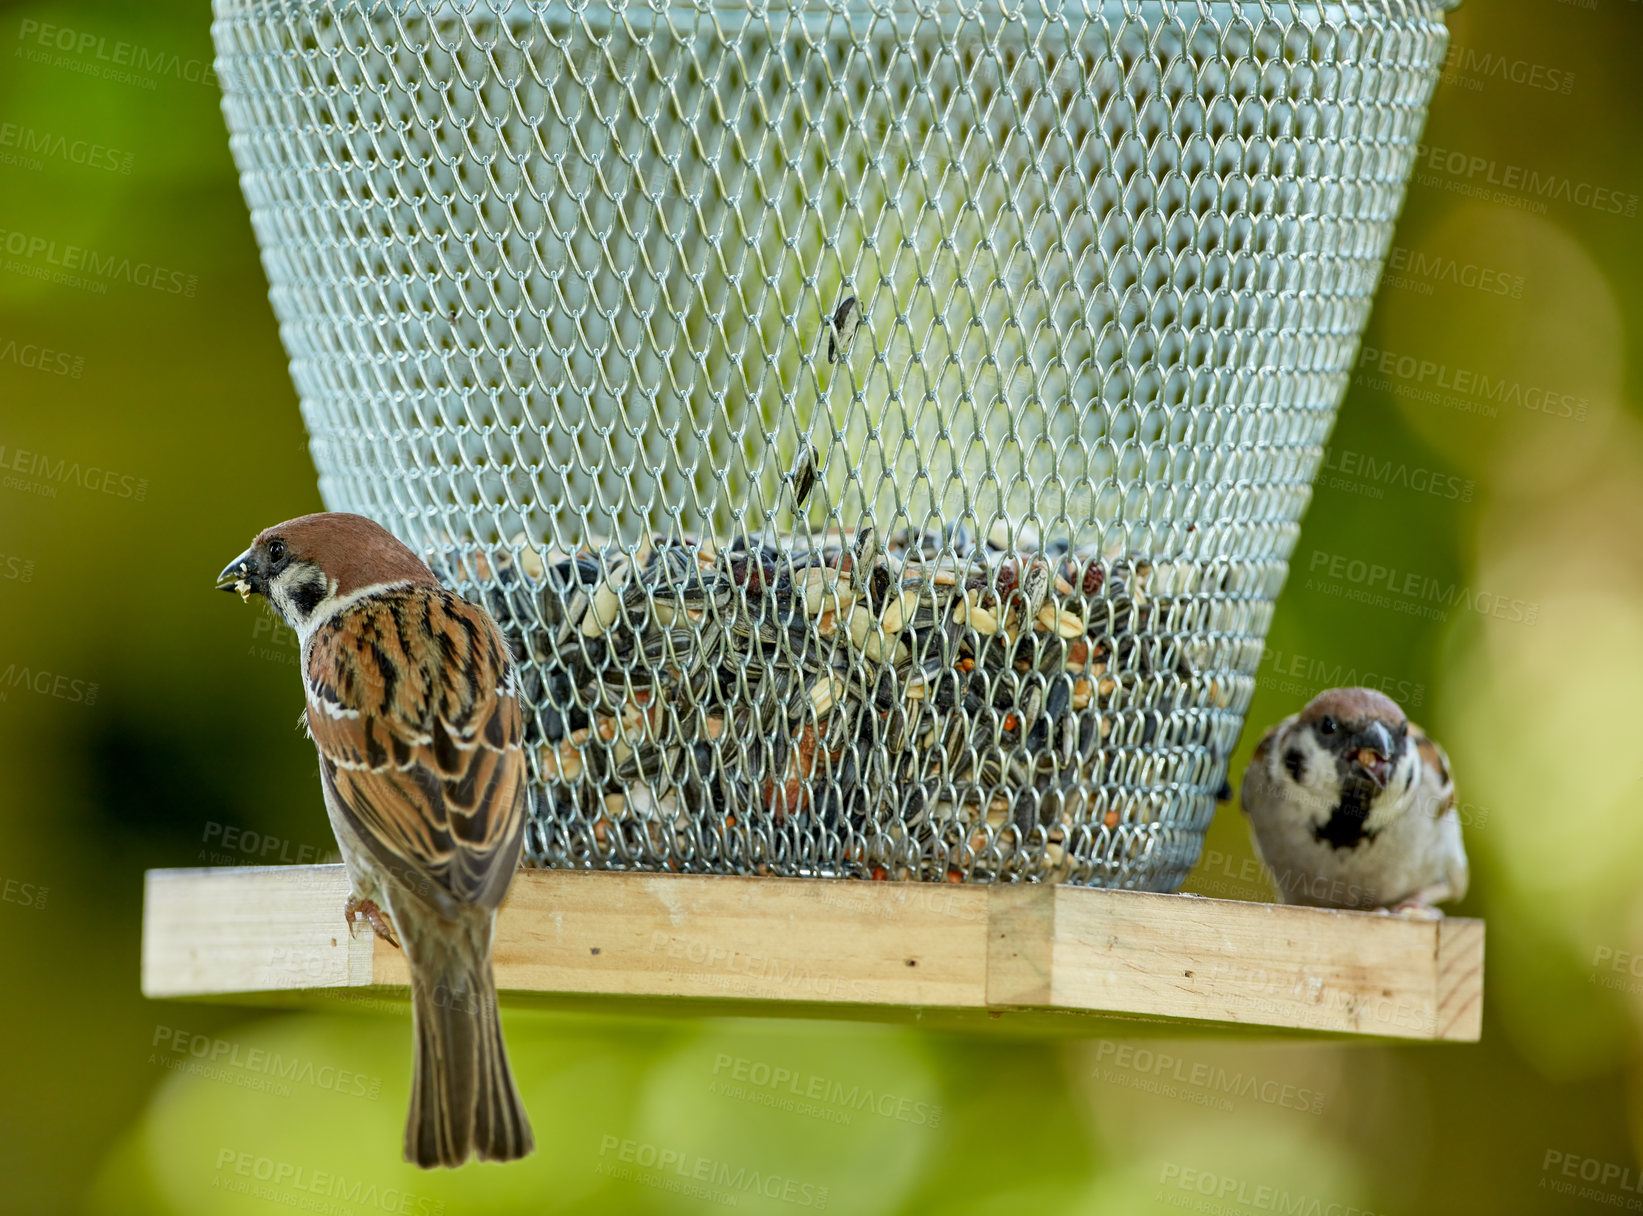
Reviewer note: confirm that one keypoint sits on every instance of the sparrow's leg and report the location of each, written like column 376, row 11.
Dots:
column 356, row 908
column 1419, row 905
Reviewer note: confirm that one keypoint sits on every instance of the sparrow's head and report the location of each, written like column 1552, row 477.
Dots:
column 309, row 567
column 1351, row 738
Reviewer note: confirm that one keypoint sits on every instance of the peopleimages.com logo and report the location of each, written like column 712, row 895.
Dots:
column 85, row 268
column 1409, row 591
column 1200, row 1082
column 93, row 54
column 1469, row 66
column 1308, row 675
column 23, row 894
column 1370, row 476
column 1465, row 389
column 1522, row 186
column 1223, row 1190
column 31, row 147
column 698, row 1177
column 804, row 1092
column 16, row 569
column 1605, row 1182
column 293, row 1185
column 34, row 357
column 47, row 684
column 39, row 474
column 1419, row 270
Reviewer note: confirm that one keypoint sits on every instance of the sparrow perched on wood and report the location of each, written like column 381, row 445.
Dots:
column 1352, row 806
column 412, row 705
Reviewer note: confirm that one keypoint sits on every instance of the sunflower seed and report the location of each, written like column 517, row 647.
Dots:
column 1034, row 590
column 841, row 329
column 805, row 466
column 863, row 554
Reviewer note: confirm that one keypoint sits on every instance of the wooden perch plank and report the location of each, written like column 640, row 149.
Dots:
column 770, row 944
column 1225, row 961
column 770, row 939
column 249, row 929
column 1460, row 980
column 1021, row 945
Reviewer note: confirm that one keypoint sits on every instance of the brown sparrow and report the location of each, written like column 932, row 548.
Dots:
column 411, row 704
column 1352, row 806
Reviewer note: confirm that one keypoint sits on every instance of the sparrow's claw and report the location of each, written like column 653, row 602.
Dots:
column 356, row 909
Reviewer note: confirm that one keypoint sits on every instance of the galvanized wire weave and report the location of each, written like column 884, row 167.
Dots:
column 558, row 285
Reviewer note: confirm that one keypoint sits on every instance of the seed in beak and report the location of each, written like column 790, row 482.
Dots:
column 1377, row 765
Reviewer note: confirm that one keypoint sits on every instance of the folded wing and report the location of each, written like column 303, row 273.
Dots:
column 411, row 704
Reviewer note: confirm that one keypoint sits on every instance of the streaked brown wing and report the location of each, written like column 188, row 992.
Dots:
column 411, row 704
column 1435, row 770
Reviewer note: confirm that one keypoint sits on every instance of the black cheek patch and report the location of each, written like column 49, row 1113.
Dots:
column 306, row 595
column 1295, row 763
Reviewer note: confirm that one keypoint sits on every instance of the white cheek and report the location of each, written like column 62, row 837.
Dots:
column 1319, row 775
column 276, row 597
column 1409, row 768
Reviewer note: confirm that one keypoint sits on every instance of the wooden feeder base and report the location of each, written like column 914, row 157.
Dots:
column 1028, row 957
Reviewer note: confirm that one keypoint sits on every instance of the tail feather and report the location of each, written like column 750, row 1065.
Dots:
column 463, row 1100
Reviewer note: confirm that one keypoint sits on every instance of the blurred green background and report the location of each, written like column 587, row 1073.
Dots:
column 145, row 722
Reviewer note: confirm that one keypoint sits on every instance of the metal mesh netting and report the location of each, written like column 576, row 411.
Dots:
column 880, row 428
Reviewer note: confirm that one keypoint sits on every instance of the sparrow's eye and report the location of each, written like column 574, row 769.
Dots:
column 276, row 551
column 1326, row 725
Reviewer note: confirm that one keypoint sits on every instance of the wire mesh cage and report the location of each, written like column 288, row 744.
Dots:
column 880, row 426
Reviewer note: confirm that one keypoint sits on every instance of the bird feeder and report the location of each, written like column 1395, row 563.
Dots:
column 881, row 428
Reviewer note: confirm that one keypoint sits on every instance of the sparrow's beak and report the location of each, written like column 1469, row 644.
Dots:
column 1374, row 754
column 237, row 576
